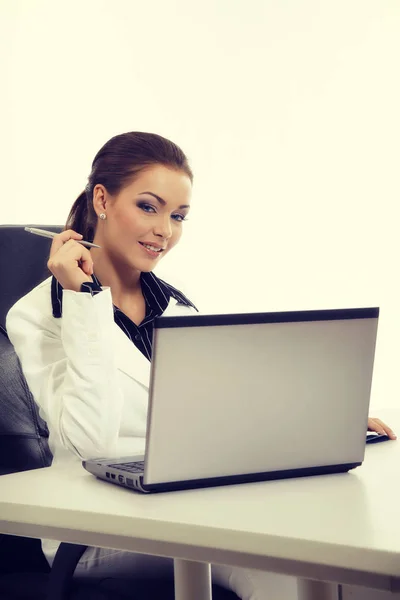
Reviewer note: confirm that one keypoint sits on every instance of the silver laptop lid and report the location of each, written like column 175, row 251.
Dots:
column 252, row 393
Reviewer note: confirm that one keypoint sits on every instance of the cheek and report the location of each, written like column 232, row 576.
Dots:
column 130, row 226
column 173, row 241
column 176, row 237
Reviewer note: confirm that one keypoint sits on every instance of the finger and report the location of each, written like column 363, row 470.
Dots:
column 379, row 427
column 385, row 428
column 61, row 238
column 374, row 426
column 72, row 251
column 86, row 264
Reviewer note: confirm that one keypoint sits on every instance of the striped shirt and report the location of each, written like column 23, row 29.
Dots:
column 157, row 294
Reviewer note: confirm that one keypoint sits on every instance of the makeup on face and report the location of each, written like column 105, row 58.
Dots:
column 144, row 220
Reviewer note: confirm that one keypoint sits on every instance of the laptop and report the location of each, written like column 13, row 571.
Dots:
column 252, row 397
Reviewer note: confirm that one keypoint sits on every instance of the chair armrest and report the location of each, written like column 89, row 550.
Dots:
column 62, row 571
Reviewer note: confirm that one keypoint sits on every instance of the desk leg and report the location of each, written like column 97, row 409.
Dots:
column 308, row 589
column 192, row 580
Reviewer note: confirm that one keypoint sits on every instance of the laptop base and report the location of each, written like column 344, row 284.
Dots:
column 135, row 481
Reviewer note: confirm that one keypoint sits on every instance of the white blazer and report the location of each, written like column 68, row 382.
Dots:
column 88, row 379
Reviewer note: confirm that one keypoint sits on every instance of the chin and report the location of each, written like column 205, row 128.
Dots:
column 145, row 266
column 139, row 263
column 148, row 268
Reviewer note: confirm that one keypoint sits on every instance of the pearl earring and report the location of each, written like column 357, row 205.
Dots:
column 102, row 216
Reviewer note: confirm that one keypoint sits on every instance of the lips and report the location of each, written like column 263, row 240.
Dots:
column 152, row 246
column 151, row 250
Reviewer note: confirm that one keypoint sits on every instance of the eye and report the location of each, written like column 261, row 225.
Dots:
column 147, row 207
column 179, row 218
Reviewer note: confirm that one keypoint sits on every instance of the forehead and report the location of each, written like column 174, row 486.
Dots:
column 169, row 184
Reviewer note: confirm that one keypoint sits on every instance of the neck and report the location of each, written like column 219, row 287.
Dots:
column 123, row 281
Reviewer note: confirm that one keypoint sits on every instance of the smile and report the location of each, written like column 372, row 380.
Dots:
column 151, row 250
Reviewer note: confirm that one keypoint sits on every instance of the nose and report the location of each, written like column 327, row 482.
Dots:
column 163, row 227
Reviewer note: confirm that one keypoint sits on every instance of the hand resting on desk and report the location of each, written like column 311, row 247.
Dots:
column 380, row 427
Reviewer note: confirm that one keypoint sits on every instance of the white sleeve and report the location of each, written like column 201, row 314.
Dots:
column 71, row 372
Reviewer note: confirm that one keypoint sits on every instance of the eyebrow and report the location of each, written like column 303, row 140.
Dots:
column 162, row 201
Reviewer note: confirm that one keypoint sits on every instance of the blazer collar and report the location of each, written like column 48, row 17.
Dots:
column 128, row 357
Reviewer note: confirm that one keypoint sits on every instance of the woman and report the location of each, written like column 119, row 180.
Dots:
column 84, row 336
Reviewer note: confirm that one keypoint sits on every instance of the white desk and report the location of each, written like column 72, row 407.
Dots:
column 340, row 528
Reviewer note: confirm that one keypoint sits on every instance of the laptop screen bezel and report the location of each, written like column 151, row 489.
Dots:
column 206, row 320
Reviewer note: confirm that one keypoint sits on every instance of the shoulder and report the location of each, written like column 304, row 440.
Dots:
column 161, row 294
column 178, row 296
column 176, row 309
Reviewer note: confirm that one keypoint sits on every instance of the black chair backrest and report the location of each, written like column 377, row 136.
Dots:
column 23, row 434
column 23, row 263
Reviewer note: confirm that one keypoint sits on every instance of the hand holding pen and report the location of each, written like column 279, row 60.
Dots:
column 70, row 261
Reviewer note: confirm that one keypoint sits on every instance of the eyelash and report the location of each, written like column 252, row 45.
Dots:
column 144, row 205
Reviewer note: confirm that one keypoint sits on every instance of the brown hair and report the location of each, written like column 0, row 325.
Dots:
column 115, row 165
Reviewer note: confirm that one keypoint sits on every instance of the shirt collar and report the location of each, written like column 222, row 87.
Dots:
column 157, row 294
column 155, row 288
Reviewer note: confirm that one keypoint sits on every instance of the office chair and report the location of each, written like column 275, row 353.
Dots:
column 24, row 571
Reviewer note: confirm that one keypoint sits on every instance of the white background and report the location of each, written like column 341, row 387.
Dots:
column 288, row 111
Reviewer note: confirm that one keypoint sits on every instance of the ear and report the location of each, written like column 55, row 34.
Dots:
column 100, row 198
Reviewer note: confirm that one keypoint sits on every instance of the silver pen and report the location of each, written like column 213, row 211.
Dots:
column 51, row 234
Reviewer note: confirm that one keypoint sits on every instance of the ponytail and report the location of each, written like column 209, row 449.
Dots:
column 80, row 217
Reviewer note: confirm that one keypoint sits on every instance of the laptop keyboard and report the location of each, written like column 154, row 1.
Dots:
column 131, row 467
